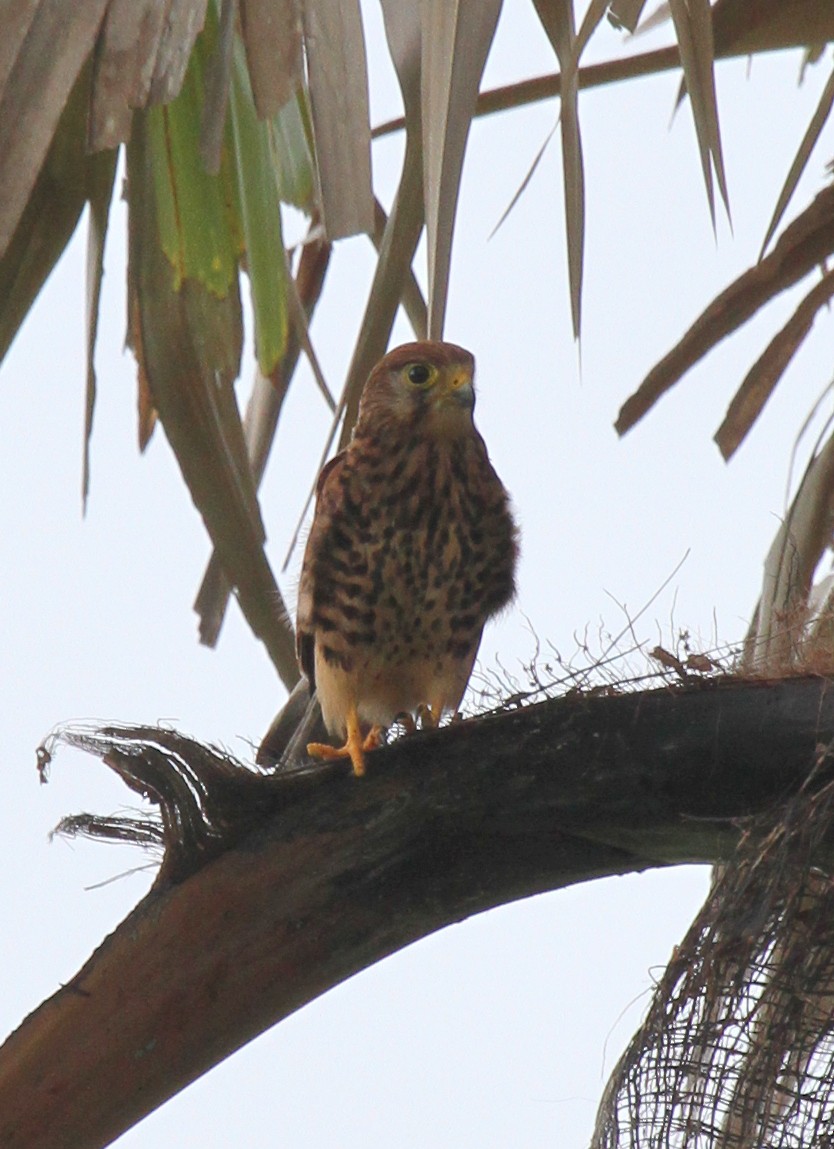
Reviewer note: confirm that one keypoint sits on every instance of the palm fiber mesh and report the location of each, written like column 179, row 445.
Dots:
column 737, row 1048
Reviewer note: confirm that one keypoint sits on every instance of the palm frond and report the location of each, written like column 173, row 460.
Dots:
column 336, row 64
column 804, row 245
column 456, row 38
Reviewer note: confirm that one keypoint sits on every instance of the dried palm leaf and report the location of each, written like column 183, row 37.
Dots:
column 47, row 46
column 271, row 32
column 693, row 28
column 128, row 63
column 809, row 140
column 413, row 301
column 557, row 20
column 752, row 26
column 522, row 187
column 99, row 195
column 626, row 13
column 66, row 182
column 776, row 642
column 806, row 243
column 735, row 1050
column 456, row 38
column 185, row 328
column 761, row 379
column 338, row 80
column 259, row 427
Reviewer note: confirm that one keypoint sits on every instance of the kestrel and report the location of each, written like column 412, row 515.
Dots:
column 412, row 548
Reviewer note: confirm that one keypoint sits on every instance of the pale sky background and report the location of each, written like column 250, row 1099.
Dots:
column 500, row 1031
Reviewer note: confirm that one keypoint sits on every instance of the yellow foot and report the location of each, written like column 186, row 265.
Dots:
column 355, row 746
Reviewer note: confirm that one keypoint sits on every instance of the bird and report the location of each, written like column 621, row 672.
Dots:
column 412, row 548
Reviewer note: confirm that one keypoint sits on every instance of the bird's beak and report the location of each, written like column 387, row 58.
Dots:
column 459, row 389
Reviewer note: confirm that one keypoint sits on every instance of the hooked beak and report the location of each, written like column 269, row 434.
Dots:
column 458, row 388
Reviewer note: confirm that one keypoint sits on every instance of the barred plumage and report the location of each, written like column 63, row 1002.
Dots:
column 412, row 548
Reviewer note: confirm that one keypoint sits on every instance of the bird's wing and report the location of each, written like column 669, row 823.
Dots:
column 328, row 500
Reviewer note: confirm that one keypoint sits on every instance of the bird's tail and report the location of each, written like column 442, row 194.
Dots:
column 298, row 722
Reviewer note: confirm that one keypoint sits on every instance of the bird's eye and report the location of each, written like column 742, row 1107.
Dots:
column 418, row 374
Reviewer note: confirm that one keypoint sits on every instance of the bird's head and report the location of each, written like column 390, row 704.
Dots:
column 427, row 384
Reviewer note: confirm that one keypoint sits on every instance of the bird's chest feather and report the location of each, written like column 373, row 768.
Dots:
column 411, row 546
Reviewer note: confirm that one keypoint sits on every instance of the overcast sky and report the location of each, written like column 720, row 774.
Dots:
column 501, row 1030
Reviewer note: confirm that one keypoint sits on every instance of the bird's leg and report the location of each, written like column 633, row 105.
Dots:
column 407, row 722
column 430, row 715
column 355, row 745
column 425, row 716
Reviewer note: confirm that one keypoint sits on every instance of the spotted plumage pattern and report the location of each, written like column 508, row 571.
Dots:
column 412, row 548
